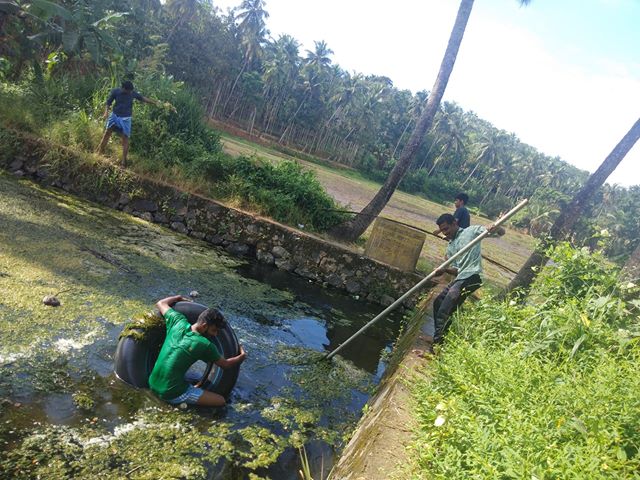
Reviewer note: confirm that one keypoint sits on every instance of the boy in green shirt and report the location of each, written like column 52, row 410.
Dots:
column 184, row 345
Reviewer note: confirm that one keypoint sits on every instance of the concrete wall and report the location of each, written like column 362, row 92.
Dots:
column 240, row 233
column 377, row 449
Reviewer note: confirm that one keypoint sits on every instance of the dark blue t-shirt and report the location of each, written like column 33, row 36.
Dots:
column 462, row 216
column 124, row 101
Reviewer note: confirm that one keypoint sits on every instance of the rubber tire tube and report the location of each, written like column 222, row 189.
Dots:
column 134, row 360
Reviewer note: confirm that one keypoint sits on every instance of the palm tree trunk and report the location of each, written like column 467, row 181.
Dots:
column 235, row 82
column 569, row 215
column 353, row 228
column 406, row 127
column 472, row 172
column 286, row 130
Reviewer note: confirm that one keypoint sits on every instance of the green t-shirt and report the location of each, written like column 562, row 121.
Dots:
column 181, row 348
column 471, row 262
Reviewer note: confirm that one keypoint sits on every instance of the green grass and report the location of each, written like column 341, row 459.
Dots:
column 545, row 390
column 177, row 148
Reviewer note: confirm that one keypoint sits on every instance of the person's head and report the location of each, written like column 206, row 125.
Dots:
column 448, row 225
column 127, row 86
column 210, row 322
column 461, row 200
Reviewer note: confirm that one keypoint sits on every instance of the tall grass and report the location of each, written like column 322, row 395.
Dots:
column 175, row 147
column 545, row 390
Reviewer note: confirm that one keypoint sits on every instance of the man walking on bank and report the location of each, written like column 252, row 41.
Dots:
column 120, row 119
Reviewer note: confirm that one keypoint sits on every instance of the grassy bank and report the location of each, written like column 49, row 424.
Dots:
column 540, row 391
column 178, row 148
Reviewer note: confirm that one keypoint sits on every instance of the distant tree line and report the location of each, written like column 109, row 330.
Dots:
column 302, row 100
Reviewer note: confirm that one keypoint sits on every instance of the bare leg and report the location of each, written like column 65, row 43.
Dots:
column 125, row 149
column 105, row 140
column 210, row 399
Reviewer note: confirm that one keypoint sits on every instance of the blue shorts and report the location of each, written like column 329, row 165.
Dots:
column 191, row 396
column 120, row 124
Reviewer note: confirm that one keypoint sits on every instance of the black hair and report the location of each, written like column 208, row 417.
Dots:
column 212, row 316
column 445, row 218
column 127, row 85
column 462, row 196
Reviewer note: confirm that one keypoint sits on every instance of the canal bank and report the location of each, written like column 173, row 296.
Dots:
column 309, row 256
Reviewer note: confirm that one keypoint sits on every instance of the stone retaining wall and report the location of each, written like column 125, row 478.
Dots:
column 240, row 233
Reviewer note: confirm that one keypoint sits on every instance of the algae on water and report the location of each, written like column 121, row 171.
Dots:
column 62, row 412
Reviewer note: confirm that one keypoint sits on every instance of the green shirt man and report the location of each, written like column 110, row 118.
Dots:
column 184, row 345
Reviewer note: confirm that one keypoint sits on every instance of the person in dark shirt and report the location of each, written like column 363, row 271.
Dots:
column 120, row 119
column 462, row 214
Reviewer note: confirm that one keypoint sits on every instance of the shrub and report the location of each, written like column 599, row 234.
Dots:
column 543, row 390
column 284, row 191
column 67, row 109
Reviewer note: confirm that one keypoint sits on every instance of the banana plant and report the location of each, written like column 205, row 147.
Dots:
column 47, row 27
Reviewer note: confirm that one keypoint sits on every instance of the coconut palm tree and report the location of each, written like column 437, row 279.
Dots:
column 281, row 69
column 183, row 11
column 571, row 213
column 253, row 31
column 318, row 60
column 353, row 228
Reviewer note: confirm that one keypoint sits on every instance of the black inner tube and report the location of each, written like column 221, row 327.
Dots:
column 134, row 359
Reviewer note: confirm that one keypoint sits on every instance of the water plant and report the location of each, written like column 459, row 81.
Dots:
column 62, row 412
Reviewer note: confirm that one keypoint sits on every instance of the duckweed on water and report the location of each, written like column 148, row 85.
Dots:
column 260, row 447
column 83, row 401
column 157, row 444
column 109, row 267
column 143, row 325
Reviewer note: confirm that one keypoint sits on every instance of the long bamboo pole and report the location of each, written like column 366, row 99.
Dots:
column 421, row 283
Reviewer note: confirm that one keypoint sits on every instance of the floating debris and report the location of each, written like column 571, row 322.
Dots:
column 51, row 301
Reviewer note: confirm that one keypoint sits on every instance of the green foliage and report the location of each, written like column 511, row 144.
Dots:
column 543, row 390
column 299, row 101
column 67, row 110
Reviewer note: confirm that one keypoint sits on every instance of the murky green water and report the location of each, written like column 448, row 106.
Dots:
column 63, row 414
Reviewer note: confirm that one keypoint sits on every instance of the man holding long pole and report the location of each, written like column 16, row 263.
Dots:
column 494, row 228
column 467, row 270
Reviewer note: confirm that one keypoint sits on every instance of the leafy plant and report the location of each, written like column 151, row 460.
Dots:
column 542, row 390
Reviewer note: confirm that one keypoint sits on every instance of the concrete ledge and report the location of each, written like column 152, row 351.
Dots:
column 377, row 449
column 239, row 233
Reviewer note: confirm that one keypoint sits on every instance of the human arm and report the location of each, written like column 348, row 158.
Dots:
column 157, row 103
column 496, row 231
column 166, row 303
column 449, row 270
column 110, row 99
column 225, row 363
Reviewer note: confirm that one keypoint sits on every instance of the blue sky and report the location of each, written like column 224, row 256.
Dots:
column 563, row 75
